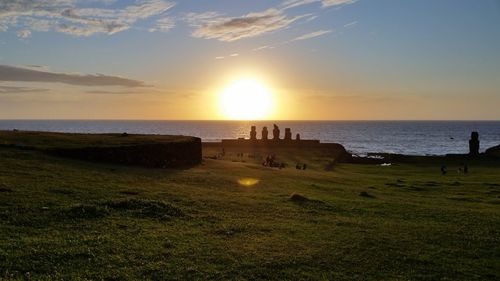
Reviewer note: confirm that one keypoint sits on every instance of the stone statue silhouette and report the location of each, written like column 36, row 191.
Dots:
column 253, row 133
column 276, row 132
column 265, row 133
column 474, row 144
column 288, row 134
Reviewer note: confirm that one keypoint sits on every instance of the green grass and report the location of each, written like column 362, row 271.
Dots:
column 63, row 219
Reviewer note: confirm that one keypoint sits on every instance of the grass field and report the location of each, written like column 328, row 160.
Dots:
column 63, row 219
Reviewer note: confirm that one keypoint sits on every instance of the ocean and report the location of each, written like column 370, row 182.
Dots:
column 359, row 137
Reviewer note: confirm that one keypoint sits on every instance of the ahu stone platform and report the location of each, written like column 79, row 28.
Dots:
column 275, row 143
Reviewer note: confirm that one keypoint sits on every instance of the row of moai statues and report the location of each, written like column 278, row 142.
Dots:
column 276, row 134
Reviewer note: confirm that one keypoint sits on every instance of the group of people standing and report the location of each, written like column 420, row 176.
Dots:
column 462, row 169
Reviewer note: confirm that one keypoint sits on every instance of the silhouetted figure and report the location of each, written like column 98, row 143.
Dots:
column 298, row 167
column 276, row 132
column 269, row 162
column 304, row 166
column 474, row 144
column 265, row 133
column 253, row 133
column 466, row 169
column 297, row 137
column 443, row 170
column 288, row 134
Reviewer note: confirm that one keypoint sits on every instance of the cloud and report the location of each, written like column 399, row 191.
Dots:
column 236, row 28
column 312, row 35
column 19, row 74
column 17, row 90
column 23, row 33
column 213, row 25
column 288, row 4
column 68, row 16
column 100, row 92
column 351, row 24
column 265, row 47
column 330, row 3
column 163, row 25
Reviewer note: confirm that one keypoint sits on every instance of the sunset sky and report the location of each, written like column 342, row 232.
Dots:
column 319, row 60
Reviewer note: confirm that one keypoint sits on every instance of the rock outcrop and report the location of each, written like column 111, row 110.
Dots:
column 493, row 151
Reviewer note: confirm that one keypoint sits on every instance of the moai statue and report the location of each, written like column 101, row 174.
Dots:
column 297, row 137
column 253, row 133
column 265, row 133
column 288, row 134
column 276, row 132
column 474, row 144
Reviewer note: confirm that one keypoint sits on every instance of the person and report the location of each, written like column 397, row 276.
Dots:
column 304, row 167
column 466, row 169
column 297, row 166
column 443, row 170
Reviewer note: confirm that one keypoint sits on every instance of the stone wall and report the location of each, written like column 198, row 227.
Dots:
column 160, row 155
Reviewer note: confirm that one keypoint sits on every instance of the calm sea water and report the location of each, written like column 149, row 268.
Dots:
column 407, row 137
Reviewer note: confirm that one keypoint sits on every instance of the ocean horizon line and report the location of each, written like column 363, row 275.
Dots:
column 267, row 120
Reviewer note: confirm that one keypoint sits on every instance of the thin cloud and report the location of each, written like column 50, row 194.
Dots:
column 20, row 90
column 23, row 33
column 66, row 16
column 163, row 25
column 312, row 35
column 330, row 3
column 289, row 4
column 100, row 92
column 236, row 28
column 266, row 47
column 19, row 74
column 296, row 3
column 351, row 24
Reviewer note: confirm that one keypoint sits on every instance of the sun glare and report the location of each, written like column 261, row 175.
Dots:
column 246, row 99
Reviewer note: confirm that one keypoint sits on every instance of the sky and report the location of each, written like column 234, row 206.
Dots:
column 321, row 59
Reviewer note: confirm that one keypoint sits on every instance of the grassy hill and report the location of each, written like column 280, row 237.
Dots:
column 232, row 218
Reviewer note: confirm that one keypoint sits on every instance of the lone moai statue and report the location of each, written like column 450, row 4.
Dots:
column 253, row 133
column 474, row 144
column 297, row 137
column 265, row 133
column 288, row 134
column 276, row 132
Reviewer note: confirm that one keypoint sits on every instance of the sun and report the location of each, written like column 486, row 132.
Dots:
column 246, row 99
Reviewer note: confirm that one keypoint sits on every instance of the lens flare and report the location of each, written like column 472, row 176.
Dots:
column 248, row 181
